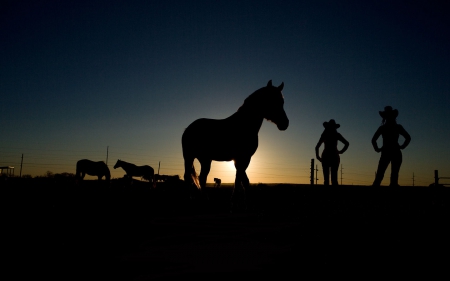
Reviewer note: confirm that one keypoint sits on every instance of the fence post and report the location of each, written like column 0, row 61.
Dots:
column 317, row 170
column 21, row 163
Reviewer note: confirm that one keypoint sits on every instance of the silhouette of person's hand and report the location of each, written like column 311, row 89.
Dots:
column 377, row 149
column 319, row 158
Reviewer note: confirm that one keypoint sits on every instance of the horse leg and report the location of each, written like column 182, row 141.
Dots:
column 240, row 184
column 129, row 178
column 190, row 176
column 79, row 177
column 205, row 168
column 153, row 179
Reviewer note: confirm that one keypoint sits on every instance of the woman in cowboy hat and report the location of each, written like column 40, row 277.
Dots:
column 330, row 156
column 391, row 150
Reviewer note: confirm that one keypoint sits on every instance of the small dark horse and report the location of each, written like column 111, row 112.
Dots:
column 146, row 172
column 92, row 168
column 240, row 135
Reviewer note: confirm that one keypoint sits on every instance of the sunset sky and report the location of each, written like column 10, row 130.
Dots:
column 78, row 78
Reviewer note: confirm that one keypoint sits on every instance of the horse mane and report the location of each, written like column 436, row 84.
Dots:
column 251, row 100
column 254, row 100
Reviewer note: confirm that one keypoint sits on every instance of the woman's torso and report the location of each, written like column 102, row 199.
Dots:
column 390, row 134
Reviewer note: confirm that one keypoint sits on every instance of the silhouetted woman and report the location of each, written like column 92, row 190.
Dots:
column 330, row 156
column 391, row 150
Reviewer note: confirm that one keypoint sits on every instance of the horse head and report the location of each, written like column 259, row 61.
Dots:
column 117, row 164
column 268, row 102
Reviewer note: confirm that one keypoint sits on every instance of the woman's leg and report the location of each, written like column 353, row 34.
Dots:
column 334, row 170
column 395, row 167
column 326, row 172
column 382, row 165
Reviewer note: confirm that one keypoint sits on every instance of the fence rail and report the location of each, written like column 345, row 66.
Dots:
column 437, row 178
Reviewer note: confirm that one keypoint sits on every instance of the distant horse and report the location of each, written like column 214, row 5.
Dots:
column 92, row 168
column 239, row 133
column 166, row 178
column 131, row 170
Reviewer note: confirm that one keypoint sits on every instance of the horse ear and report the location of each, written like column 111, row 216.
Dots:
column 269, row 84
column 281, row 86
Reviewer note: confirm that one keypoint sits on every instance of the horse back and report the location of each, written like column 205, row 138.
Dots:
column 93, row 168
column 147, row 172
column 218, row 139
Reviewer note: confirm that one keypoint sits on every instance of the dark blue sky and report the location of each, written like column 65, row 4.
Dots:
column 78, row 76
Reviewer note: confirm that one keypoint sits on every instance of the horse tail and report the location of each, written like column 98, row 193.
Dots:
column 194, row 177
column 77, row 169
column 148, row 174
column 107, row 173
column 77, row 172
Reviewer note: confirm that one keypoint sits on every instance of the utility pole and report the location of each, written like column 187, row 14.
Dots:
column 21, row 162
column 312, row 171
column 159, row 165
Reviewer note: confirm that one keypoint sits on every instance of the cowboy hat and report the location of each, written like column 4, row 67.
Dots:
column 331, row 124
column 389, row 112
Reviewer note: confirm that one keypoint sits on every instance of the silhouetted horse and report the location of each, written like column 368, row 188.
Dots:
column 146, row 172
column 92, row 168
column 239, row 133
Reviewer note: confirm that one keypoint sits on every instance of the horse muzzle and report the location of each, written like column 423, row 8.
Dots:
column 283, row 125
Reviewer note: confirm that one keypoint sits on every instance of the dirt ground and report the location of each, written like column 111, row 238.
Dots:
column 91, row 231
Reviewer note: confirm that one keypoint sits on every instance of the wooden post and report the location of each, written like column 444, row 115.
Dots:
column 21, row 162
column 316, row 175
column 436, row 178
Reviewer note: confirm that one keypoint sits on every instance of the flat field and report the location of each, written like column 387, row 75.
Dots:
column 55, row 229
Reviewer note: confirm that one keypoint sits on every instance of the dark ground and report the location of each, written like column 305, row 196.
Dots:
column 54, row 229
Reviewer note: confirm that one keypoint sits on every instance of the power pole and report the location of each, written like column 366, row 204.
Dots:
column 21, row 162
column 159, row 165
column 312, row 171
